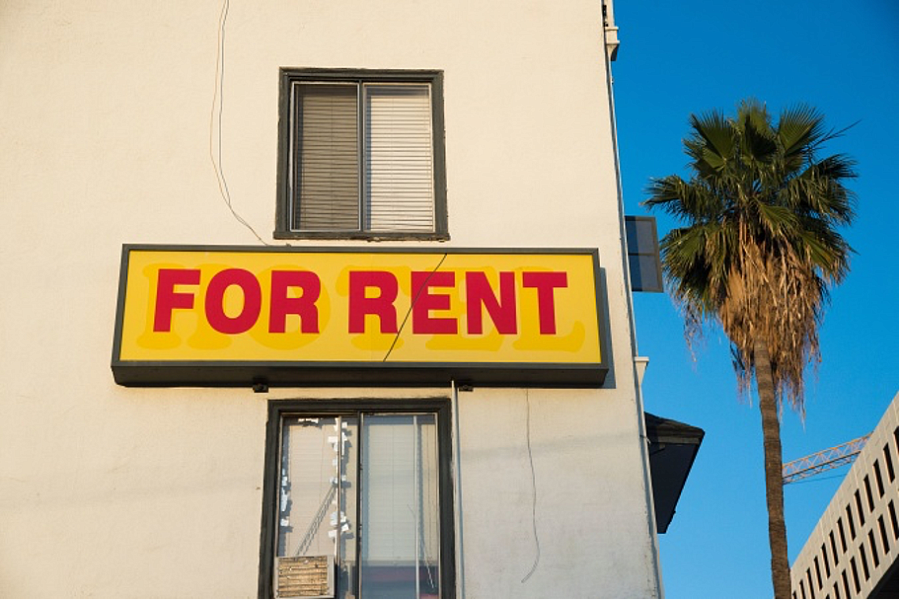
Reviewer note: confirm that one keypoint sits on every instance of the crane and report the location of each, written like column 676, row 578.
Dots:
column 823, row 460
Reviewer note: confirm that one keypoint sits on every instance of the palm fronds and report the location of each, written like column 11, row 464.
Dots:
column 759, row 247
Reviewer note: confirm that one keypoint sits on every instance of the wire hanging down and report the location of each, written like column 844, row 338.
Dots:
column 215, row 124
column 537, row 541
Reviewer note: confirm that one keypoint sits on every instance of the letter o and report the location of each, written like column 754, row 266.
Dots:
column 215, row 301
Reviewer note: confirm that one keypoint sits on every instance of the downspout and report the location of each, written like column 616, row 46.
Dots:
column 457, row 491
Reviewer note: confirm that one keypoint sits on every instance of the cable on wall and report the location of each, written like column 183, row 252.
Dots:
column 411, row 304
column 537, row 541
column 215, row 124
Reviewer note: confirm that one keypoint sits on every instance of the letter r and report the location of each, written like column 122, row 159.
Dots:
column 381, row 305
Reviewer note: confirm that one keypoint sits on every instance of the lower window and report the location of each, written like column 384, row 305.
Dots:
column 357, row 501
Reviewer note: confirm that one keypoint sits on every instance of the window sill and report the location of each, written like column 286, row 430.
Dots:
column 385, row 236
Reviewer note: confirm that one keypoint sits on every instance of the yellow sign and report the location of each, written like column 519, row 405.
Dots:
column 301, row 308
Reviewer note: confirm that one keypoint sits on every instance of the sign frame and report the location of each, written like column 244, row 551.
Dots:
column 305, row 373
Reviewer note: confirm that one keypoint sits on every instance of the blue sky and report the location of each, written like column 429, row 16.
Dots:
column 692, row 56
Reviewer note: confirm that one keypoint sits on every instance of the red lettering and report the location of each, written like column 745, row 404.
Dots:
column 167, row 299
column 424, row 302
column 479, row 293
column 305, row 306
column 545, row 283
column 215, row 296
column 381, row 305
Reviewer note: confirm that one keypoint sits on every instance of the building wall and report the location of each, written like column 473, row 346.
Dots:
column 852, row 553
column 108, row 123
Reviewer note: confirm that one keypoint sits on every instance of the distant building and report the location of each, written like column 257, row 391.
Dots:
column 852, row 553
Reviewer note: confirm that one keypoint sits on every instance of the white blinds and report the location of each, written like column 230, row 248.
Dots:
column 399, row 506
column 327, row 143
column 399, row 180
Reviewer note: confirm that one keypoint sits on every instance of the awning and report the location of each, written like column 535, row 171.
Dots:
column 673, row 447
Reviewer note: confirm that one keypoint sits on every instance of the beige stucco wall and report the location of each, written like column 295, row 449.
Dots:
column 105, row 122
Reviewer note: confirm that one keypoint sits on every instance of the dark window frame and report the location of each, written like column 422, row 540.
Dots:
column 285, row 196
column 643, row 280
column 279, row 410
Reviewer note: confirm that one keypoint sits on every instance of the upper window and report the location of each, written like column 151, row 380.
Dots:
column 361, row 155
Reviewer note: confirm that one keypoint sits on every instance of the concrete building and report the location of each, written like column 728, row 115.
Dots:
column 360, row 267
column 852, row 553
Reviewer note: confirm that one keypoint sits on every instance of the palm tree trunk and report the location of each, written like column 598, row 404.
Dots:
column 765, row 387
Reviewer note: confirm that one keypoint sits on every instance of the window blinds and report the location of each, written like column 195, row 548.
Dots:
column 327, row 144
column 399, row 175
column 396, row 167
column 399, row 505
column 310, row 497
column 397, row 496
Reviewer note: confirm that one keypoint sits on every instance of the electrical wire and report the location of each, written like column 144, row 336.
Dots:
column 215, row 124
column 411, row 304
column 537, row 541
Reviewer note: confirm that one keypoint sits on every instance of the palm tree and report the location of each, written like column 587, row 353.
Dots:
column 757, row 255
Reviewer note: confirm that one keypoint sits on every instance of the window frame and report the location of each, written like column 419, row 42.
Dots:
column 643, row 280
column 280, row 410
column 285, row 194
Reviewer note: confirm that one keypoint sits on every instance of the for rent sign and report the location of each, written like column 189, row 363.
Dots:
column 299, row 316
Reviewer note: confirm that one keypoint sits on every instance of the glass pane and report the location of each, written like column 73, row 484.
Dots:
column 327, row 144
column 317, row 497
column 399, row 520
column 399, row 175
column 640, row 233
column 645, row 273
